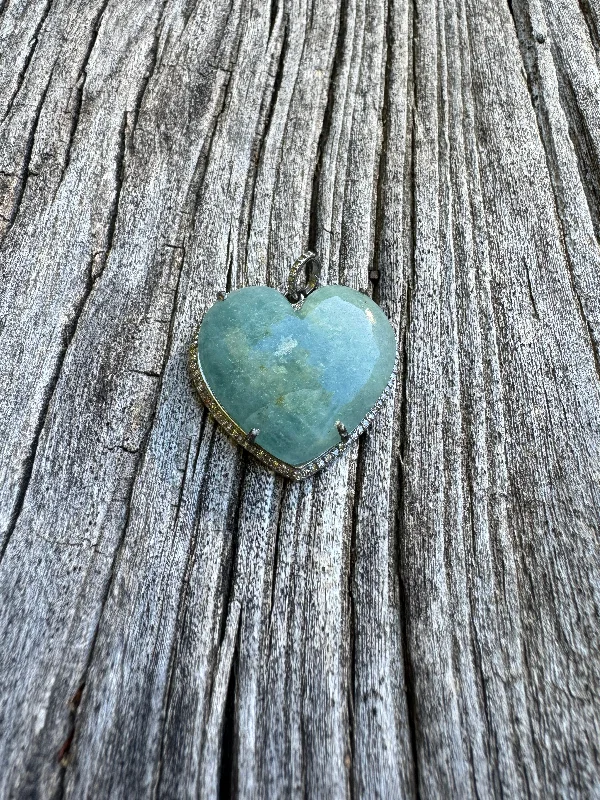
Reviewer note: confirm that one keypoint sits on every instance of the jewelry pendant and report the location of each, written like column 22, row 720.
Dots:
column 294, row 381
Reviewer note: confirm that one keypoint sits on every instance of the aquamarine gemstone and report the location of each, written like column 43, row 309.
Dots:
column 294, row 373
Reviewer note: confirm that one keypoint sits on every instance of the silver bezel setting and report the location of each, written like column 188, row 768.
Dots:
column 239, row 436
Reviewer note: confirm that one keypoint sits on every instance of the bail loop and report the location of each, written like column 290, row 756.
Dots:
column 294, row 292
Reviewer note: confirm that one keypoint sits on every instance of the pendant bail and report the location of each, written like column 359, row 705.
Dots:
column 294, row 292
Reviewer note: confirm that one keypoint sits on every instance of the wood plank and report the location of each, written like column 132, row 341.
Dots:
column 420, row 619
column 489, row 461
column 104, row 399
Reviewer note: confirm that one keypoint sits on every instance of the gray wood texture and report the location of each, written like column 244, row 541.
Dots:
column 420, row 620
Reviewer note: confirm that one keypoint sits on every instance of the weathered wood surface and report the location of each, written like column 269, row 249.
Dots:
column 420, row 620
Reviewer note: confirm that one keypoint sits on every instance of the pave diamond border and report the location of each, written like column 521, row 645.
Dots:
column 239, row 436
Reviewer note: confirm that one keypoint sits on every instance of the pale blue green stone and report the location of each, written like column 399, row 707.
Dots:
column 294, row 374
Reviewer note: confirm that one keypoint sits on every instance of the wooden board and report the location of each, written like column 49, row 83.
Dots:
column 422, row 618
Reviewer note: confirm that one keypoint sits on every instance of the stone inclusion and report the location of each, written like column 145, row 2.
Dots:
column 294, row 373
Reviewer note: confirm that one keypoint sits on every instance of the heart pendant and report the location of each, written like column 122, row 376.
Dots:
column 294, row 384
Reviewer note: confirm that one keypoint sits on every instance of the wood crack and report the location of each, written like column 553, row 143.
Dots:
column 125, row 148
column 63, row 753
column 99, row 260
column 411, row 700
column 280, row 510
column 78, row 90
column 529, row 41
column 227, row 767
column 204, row 156
column 265, row 115
column 34, row 42
column 381, row 172
column 226, row 757
column 25, row 172
column 174, row 649
column 153, row 58
column 476, row 656
column 591, row 23
column 351, row 692
column 315, row 224
column 589, row 167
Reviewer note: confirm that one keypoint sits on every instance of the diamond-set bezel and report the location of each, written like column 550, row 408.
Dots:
column 240, row 437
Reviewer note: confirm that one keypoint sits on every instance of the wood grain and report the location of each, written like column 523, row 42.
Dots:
column 420, row 619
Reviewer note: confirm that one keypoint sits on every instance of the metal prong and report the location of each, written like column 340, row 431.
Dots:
column 221, row 295
column 344, row 435
column 251, row 437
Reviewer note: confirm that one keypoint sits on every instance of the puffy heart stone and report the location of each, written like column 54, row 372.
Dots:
column 293, row 374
